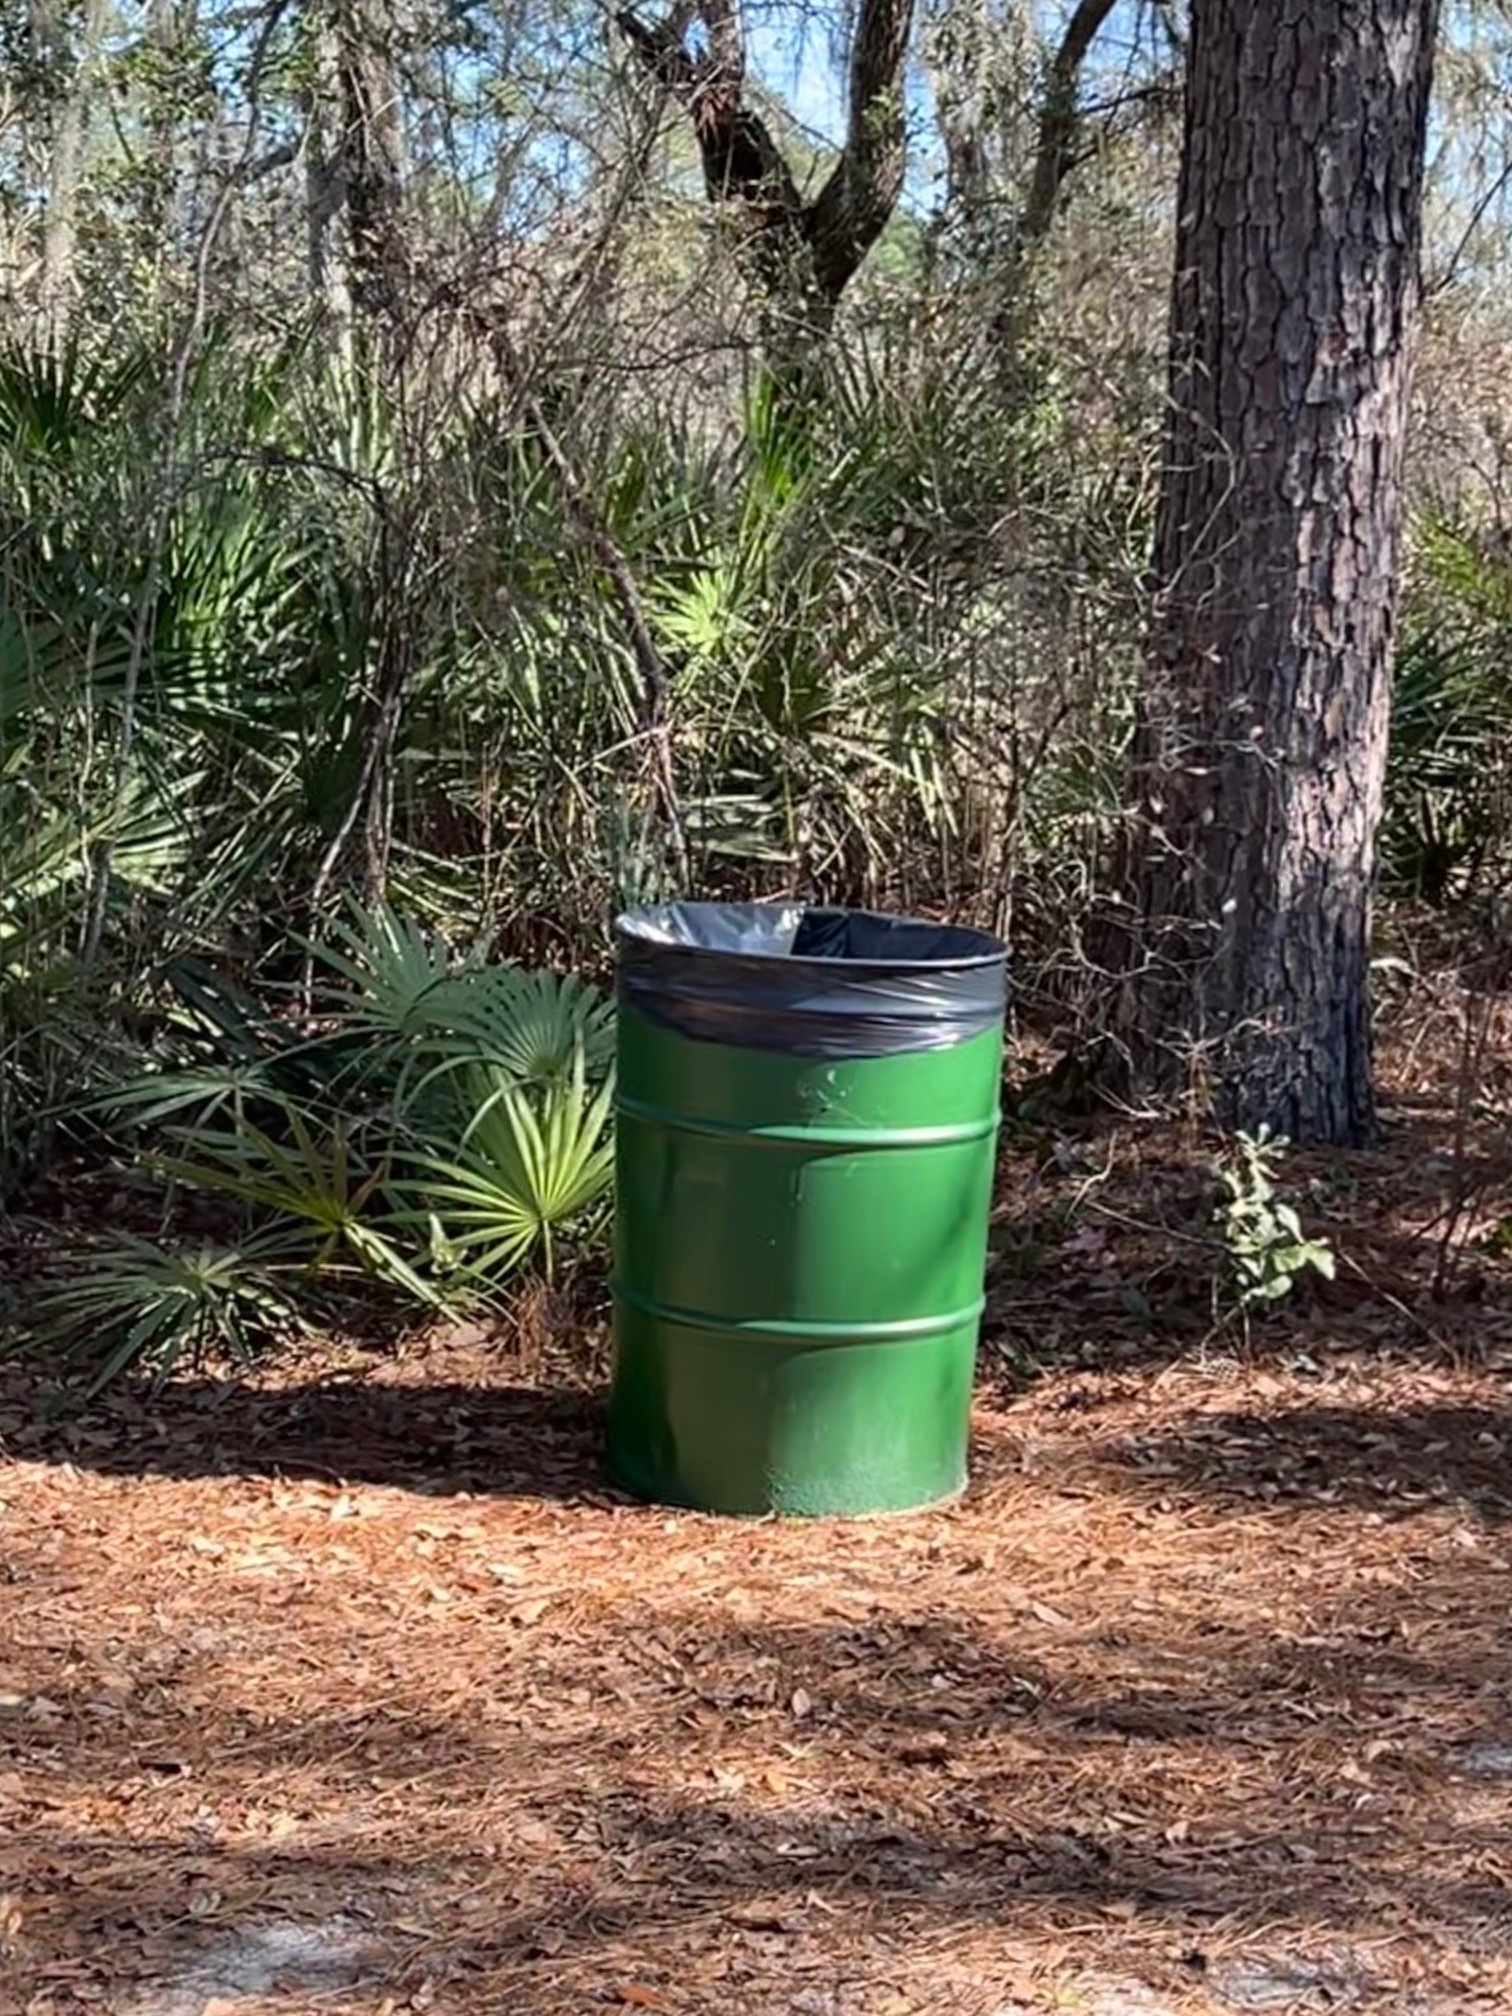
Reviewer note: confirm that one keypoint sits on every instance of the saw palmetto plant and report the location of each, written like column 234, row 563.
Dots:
column 447, row 1126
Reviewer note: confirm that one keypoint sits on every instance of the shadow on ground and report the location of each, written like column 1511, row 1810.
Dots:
column 541, row 1862
column 556, row 1760
column 507, row 1441
column 1391, row 1461
column 440, row 1439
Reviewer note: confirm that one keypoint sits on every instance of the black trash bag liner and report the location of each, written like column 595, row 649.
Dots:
column 809, row 981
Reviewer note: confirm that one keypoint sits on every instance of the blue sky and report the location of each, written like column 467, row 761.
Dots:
column 792, row 50
column 796, row 59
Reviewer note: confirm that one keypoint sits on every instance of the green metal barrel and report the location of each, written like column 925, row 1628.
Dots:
column 807, row 1114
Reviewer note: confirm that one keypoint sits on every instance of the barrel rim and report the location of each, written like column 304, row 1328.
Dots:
column 993, row 951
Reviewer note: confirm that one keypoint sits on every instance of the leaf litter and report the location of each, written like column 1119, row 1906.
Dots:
column 356, row 1688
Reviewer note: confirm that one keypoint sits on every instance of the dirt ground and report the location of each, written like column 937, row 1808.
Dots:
column 357, row 1690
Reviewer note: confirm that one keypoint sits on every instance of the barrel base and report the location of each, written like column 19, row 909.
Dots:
column 647, row 1494
column 752, row 1425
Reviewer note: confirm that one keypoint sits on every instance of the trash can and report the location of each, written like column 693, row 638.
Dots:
column 806, row 1121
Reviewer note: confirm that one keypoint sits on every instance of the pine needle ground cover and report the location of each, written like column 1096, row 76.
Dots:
column 352, row 1686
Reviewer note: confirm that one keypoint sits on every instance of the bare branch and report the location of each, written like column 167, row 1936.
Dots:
column 854, row 205
column 727, row 60
column 1055, row 146
column 742, row 163
column 808, row 252
column 655, row 675
column 1440, row 281
column 281, row 156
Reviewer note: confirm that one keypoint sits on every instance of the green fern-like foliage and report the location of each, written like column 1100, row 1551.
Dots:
column 534, row 1161
column 127, row 1302
column 448, row 1128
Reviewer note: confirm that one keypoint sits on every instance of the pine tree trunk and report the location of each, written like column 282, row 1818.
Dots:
column 329, row 281
column 1261, row 747
column 68, row 131
column 372, row 151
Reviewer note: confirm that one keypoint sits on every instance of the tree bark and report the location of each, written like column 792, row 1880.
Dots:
column 851, row 211
column 804, row 254
column 1261, row 745
column 324, row 192
column 354, row 164
column 371, row 150
column 1059, row 122
column 68, row 130
column 169, row 34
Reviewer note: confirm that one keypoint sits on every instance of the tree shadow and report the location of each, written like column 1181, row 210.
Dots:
column 1391, row 1461
column 436, row 1439
column 538, row 1868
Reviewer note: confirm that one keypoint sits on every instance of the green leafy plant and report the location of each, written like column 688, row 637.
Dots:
column 447, row 1126
column 489, row 1079
column 315, row 1183
column 533, row 1161
column 1447, row 835
column 393, row 973
column 536, row 1028
column 126, row 1301
column 1267, row 1248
